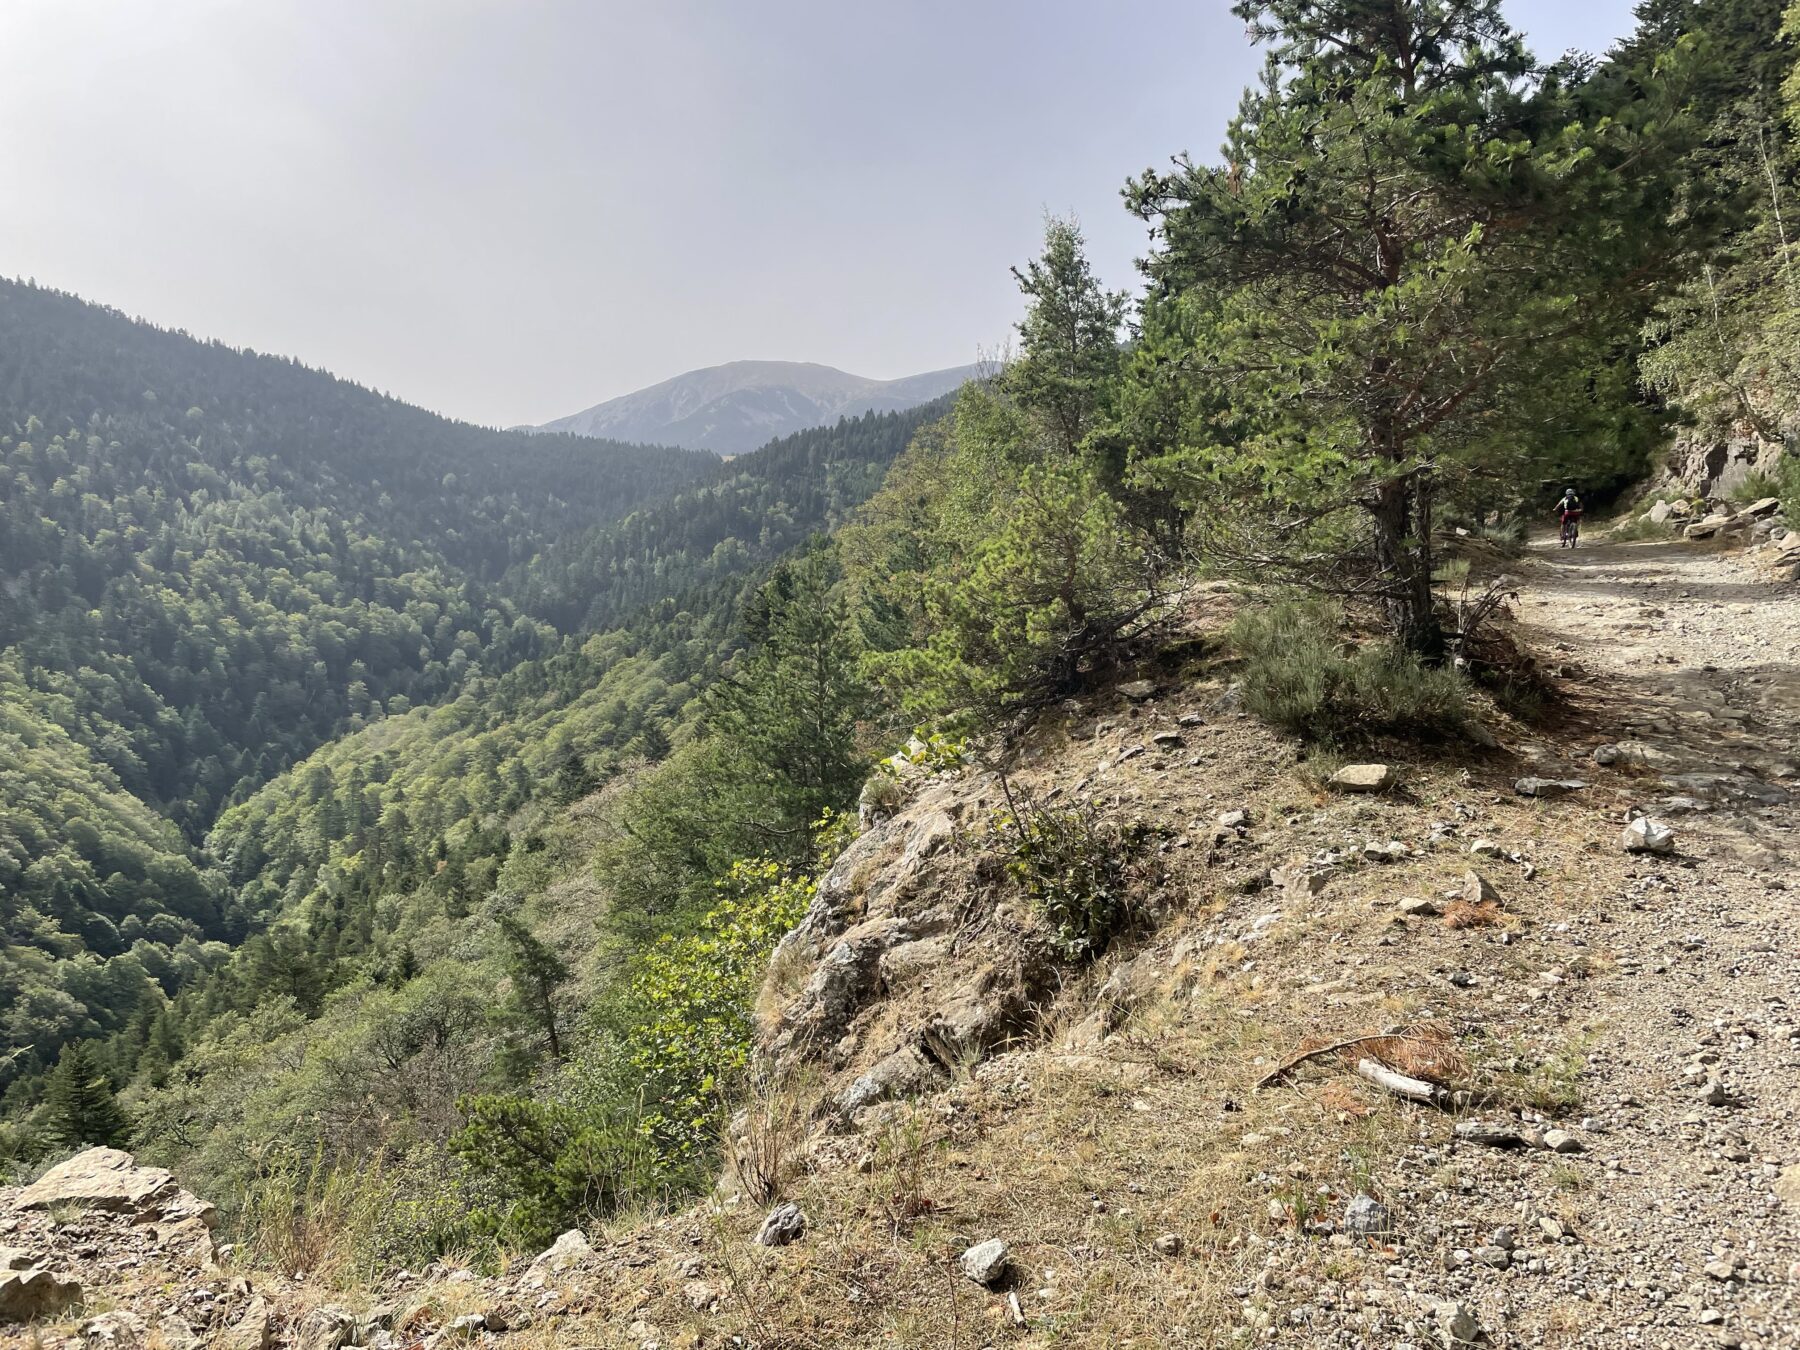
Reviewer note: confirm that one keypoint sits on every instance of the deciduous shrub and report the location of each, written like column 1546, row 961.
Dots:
column 638, row 1112
column 695, row 997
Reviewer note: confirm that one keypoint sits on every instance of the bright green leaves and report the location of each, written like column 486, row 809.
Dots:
column 696, row 995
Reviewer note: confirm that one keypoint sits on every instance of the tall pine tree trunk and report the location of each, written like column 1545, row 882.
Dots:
column 1401, row 512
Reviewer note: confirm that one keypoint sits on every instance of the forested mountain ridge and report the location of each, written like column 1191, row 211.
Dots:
column 743, row 512
column 345, row 821
column 738, row 406
column 215, row 559
column 211, row 562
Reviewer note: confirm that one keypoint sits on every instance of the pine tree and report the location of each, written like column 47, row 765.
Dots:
column 790, row 712
column 1420, row 265
column 1069, row 357
column 80, row 1106
column 536, row 973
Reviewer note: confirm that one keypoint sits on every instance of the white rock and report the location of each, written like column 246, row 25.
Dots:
column 986, row 1262
column 1364, row 778
column 1645, row 835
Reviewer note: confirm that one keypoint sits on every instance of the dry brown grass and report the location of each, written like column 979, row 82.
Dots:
column 775, row 1123
column 1079, row 1161
column 1470, row 914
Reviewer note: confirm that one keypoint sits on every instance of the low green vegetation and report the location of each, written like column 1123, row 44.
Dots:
column 1303, row 673
column 1074, row 867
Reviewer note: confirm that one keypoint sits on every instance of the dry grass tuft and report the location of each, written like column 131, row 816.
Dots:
column 1427, row 1051
column 775, row 1123
column 1466, row 914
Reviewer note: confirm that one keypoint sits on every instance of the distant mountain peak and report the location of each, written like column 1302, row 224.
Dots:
column 734, row 408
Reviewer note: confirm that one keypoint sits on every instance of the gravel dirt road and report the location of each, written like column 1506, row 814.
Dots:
column 1686, row 660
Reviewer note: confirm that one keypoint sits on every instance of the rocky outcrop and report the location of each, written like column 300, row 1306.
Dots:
column 1702, row 467
column 909, row 972
column 89, row 1218
column 108, row 1179
column 26, row 1295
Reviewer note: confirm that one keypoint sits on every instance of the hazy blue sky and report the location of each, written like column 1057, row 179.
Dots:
column 511, row 209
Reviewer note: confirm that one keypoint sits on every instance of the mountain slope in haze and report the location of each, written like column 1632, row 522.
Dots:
column 211, row 563
column 735, row 408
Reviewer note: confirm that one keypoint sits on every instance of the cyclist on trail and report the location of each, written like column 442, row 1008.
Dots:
column 1569, row 510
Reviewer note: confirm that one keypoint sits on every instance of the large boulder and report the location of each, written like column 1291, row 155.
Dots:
column 100, row 1178
column 1710, row 526
column 29, row 1294
column 1659, row 514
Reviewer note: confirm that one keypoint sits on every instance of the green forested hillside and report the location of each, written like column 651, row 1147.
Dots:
column 211, row 562
column 494, row 935
column 218, row 559
column 745, row 512
column 398, row 827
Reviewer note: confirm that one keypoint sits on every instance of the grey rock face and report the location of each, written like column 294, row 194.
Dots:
column 325, row 1328
column 905, row 1073
column 252, row 1330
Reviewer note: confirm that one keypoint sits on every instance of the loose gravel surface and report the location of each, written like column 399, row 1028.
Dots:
column 1686, row 659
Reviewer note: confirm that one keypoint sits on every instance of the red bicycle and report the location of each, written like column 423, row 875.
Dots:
column 1571, row 529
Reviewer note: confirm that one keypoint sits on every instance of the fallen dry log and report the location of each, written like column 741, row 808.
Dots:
column 1413, row 1089
column 1294, row 1061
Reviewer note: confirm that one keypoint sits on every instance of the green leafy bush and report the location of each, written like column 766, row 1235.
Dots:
column 695, row 999
column 934, row 752
column 1301, row 674
column 638, row 1113
column 1071, row 865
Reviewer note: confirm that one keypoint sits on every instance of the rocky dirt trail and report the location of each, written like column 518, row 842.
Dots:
column 1689, row 662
